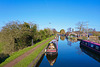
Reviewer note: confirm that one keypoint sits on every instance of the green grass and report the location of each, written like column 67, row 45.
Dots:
column 27, row 60
column 20, row 52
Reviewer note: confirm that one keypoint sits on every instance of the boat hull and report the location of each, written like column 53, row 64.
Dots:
column 90, row 53
column 90, row 46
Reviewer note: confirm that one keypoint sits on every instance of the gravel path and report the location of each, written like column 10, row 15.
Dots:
column 15, row 61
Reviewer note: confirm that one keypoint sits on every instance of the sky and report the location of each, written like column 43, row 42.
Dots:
column 58, row 14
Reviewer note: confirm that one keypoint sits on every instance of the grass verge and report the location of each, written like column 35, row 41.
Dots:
column 20, row 52
column 27, row 60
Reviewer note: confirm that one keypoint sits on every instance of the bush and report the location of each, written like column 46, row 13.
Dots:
column 3, row 57
column 17, row 36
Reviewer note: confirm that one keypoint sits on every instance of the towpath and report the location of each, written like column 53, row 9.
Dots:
column 15, row 61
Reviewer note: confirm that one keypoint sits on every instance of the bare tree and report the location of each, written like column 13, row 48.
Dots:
column 72, row 29
column 80, row 26
column 54, row 30
column 69, row 29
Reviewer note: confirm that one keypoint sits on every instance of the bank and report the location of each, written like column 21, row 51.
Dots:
column 21, row 52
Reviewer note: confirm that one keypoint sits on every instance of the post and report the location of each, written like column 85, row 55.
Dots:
column 87, row 30
column 32, row 42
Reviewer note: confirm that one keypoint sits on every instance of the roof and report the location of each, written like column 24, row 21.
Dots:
column 92, row 42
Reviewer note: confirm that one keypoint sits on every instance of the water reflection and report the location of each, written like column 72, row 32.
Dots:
column 70, row 55
column 72, row 40
column 62, row 38
column 52, row 58
column 89, row 53
column 69, row 42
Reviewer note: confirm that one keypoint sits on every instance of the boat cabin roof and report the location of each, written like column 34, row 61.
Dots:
column 92, row 42
column 54, row 40
column 54, row 44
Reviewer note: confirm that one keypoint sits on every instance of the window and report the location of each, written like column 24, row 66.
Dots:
column 92, row 45
column 83, row 42
column 89, row 44
column 86, row 43
column 97, row 47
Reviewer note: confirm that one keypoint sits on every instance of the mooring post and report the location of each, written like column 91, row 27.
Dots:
column 32, row 42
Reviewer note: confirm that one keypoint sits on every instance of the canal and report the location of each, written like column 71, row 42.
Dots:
column 70, row 54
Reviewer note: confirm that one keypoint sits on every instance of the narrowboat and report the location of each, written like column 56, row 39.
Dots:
column 90, row 53
column 52, row 47
column 94, row 47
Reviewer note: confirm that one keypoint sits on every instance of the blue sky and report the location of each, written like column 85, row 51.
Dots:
column 62, row 14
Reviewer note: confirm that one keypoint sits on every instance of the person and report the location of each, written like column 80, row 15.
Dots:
column 88, row 37
column 51, row 46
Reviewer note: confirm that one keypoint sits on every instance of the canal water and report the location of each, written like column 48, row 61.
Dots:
column 70, row 54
